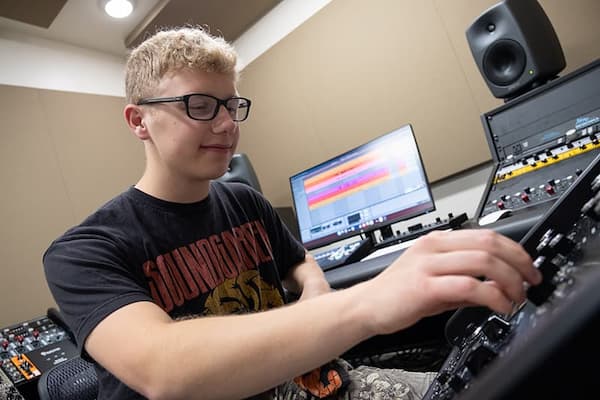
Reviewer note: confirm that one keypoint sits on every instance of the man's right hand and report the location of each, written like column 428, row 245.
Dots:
column 442, row 271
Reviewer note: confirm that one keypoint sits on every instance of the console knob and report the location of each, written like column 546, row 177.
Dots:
column 596, row 184
column 525, row 197
column 443, row 377
column 480, row 356
column 495, row 328
column 561, row 244
column 457, row 383
column 543, row 248
column 550, row 189
column 588, row 209
column 539, row 294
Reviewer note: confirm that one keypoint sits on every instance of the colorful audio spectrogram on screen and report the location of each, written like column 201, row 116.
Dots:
column 377, row 183
column 358, row 174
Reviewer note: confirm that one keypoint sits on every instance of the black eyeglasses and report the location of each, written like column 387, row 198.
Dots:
column 204, row 107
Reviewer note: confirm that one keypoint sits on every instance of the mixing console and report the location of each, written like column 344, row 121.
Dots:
column 542, row 177
column 536, row 351
column 29, row 348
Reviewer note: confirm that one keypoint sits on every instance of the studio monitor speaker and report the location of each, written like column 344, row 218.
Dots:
column 515, row 47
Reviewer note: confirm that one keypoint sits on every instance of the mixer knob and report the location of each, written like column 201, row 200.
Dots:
column 495, row 328
column 539, row 294
column 550, row 189
column 457, row 383
column 525, row 197
column 588, row 209
column 443, row 377
column 4, row 344
column 596, row 184
column 500, row 205
column 528, row 190
column 562, row 244
column 543, row 248
column 480, row 356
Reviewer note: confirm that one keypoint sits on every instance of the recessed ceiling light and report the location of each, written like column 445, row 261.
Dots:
column 118, row 8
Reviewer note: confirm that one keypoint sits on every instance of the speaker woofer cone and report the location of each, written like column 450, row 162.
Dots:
column 504, row 62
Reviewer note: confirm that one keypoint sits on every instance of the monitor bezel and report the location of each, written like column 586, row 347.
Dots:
column 401, row 215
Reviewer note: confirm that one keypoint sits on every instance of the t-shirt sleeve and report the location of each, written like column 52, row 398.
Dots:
column 88, row 278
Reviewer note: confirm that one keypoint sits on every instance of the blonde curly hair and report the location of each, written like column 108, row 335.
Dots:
column 172, row 49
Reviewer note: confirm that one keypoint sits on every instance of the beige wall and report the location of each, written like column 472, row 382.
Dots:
column 62, row 155
column 356, row 70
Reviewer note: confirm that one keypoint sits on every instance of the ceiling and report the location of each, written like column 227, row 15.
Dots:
column 83, row 23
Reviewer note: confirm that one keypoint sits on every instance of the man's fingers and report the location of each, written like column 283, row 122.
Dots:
column 479, row 264
column 485, row 240
column 457, row 289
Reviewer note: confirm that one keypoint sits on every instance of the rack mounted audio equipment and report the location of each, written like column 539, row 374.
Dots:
column 540, row 142
column 539, row 350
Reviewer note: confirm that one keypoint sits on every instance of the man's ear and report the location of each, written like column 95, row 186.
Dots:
column 135, row 120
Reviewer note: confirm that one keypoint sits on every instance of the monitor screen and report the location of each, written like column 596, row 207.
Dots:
column 369, row 187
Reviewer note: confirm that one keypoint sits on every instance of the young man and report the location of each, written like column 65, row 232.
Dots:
column 175, row 287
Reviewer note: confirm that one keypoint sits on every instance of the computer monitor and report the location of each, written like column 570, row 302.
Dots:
column 364, row 189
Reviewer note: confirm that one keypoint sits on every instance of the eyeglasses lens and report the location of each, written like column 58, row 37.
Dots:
column 204, row 107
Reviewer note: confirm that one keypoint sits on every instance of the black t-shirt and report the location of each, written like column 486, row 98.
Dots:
column 223, row 255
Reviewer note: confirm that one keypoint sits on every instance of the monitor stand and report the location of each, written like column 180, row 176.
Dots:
column 386, row 232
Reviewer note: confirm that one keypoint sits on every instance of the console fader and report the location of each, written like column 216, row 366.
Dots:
column 541, row 141
column 544, row 348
